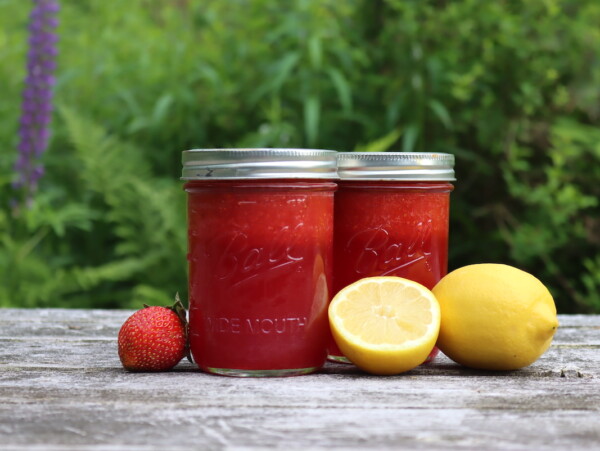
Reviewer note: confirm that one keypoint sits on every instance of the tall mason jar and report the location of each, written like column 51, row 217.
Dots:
column 391, row 219
column 260, row 244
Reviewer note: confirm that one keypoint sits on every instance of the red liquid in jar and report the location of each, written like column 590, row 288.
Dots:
column 390, row 228
column 260, row 264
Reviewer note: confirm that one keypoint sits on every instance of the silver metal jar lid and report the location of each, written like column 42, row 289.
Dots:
column 217, row 164
column 405, row 166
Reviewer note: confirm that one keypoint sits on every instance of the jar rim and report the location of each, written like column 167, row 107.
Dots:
column 405, row 166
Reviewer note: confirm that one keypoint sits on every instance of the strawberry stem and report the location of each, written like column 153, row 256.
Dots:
column 180, row 310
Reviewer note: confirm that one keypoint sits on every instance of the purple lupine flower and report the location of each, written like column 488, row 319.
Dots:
column 34, row 131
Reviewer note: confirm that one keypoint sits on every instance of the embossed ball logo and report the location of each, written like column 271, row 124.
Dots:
column 239, row 261
column 381, row 253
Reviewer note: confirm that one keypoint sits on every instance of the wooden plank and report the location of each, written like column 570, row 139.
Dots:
column 559, row 360
column 352, row 389
column 62, row 387
column 61, row 323
column 354, row 406
column 304, row 428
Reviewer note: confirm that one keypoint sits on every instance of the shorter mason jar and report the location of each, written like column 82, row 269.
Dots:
column 260, row 244
column 391, row 219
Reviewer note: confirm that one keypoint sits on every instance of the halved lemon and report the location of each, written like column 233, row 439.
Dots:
column 385, row 325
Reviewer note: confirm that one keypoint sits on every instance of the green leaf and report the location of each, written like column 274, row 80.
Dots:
column 312, row 111
column 161, row 108
column 342, row 87
column 280, row 74
column 409, row 140
column 315, row 52
column 440, row 111
column 382, row 144
column 283, row 70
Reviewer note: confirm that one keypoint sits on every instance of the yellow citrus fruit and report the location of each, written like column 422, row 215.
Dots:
column 385, row 325
column 494, row 317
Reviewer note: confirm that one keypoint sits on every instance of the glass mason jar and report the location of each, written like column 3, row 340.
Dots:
column 260, row 246
column 391, row 219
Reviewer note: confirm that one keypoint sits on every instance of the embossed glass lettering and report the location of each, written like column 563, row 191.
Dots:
column 381, row 254
column 255, row 326
column 237, row 261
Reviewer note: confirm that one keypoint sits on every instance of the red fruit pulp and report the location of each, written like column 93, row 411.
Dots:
column 259, row 265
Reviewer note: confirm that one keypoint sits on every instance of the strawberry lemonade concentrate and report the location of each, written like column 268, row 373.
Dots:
column 260, row 244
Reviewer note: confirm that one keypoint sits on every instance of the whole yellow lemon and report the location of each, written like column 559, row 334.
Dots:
column 494, row 317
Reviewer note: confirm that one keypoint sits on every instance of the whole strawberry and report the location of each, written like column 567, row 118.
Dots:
column 154, row 338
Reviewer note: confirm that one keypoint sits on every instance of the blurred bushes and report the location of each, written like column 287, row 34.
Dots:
column 511, row 88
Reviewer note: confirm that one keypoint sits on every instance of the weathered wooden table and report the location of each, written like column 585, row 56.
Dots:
column 62, row 387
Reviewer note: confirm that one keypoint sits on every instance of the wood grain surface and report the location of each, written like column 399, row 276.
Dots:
column 62, row 388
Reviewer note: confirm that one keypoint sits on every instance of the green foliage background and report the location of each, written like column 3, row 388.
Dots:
column 511, row 88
